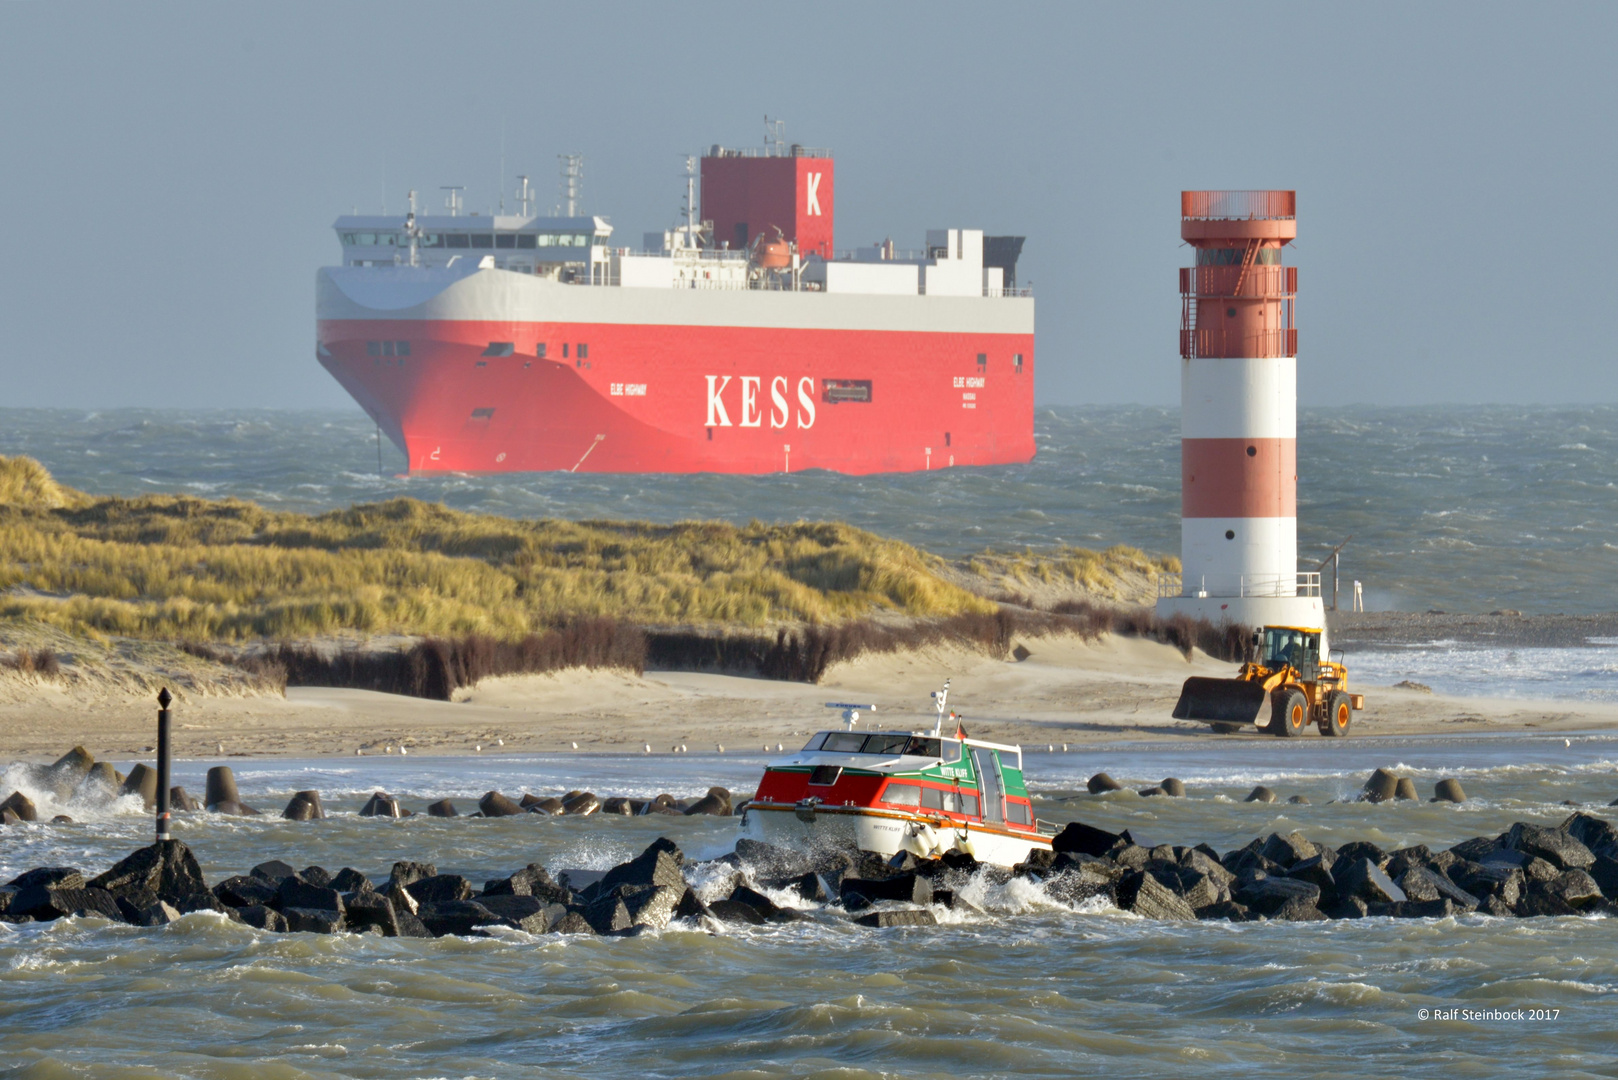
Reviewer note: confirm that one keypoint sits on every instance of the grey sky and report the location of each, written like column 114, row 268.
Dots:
column 170, row 173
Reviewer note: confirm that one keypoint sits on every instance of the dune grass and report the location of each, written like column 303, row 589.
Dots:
column 179, row 568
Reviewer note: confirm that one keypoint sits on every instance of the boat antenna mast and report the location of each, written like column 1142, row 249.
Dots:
column 412, row 230
column 572, row 182
column 940, row 702
column 851, row 713
column 690, row 202
column 524, row 196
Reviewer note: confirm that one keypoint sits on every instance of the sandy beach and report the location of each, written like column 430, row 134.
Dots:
column 1067, row 690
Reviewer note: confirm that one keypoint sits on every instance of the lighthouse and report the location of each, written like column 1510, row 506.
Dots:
column 1239, row 416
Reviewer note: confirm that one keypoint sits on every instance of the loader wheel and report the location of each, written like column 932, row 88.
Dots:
column 1339, row 714
column 1290, row 713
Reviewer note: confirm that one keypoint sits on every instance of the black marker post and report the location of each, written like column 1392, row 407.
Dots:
column 163, row 719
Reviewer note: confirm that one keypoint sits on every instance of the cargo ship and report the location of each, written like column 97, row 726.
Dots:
column 929, row 793
column 742, row 341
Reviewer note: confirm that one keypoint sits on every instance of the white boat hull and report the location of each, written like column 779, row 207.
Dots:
column 884, row 833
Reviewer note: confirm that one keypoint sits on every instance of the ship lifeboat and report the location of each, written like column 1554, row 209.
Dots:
column 773, row 255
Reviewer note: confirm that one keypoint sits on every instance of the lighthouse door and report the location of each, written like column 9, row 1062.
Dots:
column 987, row 766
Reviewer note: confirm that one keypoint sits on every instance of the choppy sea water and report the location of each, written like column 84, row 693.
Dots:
column 1463, row 508
column 1033, row 988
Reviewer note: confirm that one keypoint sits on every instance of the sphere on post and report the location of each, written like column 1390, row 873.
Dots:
column 164, row 718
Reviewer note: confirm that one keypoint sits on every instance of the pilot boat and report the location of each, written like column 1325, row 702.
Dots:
column 927, row 793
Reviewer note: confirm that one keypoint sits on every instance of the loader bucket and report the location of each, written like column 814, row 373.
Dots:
column 1220, row 701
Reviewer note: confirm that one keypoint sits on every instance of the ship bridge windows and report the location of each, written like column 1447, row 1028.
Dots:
column 482, row 239
column 370, row 239
column 921, row 746
column 457, row 240
column 500, row 348
column 885, row 744
column 844, row 391
column 843, row 742
column 523, row 240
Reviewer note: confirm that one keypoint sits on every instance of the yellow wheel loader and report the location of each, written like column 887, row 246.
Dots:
column 1288, row 671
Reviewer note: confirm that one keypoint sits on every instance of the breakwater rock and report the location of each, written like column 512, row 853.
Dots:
column 1529, row 870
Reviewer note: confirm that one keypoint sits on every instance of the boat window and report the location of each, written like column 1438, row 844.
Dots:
column 969, row 805
column 429, row 240
column 500, row 348
column 539, row 351
column 584, row 350
column 1019, row 813
column 885, row 744
column 402, row 348
column 843, row 742
column 902, row 795
column 932, row 798
column 825, row 775
column 482, row 240
column 525, row 240
column 951, row 750
column 921, row 747
column 818, row 737
column 505, row 240
column 456, row 240
column 373, row 348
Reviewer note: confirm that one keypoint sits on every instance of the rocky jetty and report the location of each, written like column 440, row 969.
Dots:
column 1529, row 870
column 78, row 776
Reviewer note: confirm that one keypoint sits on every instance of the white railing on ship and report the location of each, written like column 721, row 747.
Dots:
column 1303, row 583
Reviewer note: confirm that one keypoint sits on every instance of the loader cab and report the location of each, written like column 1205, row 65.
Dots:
column 1279, row 646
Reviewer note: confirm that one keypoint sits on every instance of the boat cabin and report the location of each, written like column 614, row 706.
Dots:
column 964, row 781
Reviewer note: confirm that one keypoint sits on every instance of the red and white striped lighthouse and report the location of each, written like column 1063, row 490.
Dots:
column 1239, row 406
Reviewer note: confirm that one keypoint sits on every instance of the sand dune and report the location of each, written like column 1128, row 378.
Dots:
column 1067, row 690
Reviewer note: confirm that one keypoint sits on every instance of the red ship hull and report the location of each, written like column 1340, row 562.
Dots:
column 684, row 398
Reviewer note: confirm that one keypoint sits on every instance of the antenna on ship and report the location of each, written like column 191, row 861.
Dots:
column 524, row 196
column 851, row 713
column 940, row 700
column 775, row 136
column 453, row 201
column 690, row 202
column 411, row 229
column 572, row 182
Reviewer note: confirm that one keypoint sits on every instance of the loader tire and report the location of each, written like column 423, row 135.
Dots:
column 1339, row 715
column 1289, row 714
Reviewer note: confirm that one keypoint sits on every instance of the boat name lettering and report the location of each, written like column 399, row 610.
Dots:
column 634, row 389
column 969, row 380
column 748, row 401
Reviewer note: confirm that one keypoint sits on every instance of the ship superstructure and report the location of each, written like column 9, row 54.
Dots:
column 742, row 341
